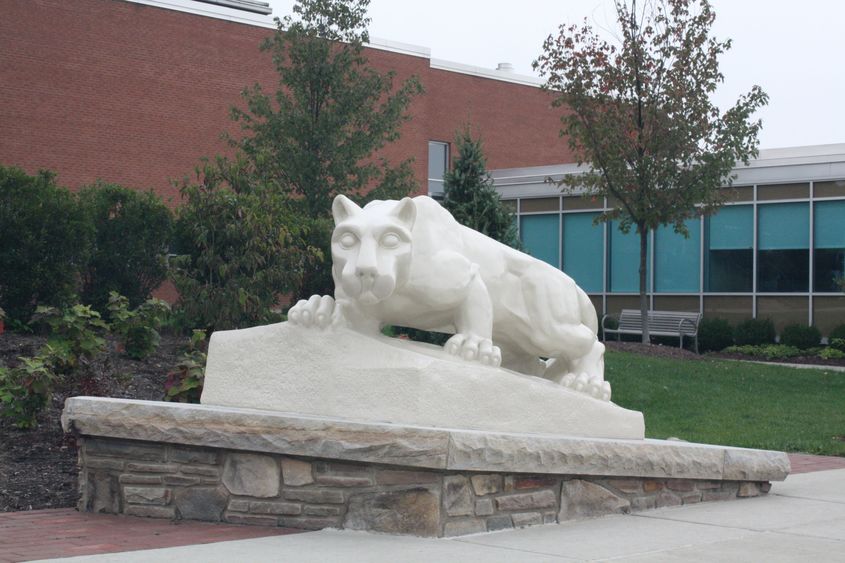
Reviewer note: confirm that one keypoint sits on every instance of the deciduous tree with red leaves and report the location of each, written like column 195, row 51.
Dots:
column 639, row 116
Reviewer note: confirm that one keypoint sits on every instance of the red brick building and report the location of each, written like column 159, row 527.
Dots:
column 136, row 91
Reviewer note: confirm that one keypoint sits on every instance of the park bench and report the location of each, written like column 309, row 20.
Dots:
column 660, row 323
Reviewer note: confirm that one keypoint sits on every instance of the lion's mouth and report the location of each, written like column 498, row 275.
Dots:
column 370, row 290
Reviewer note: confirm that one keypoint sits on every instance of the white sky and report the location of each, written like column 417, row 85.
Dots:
column 794, row 50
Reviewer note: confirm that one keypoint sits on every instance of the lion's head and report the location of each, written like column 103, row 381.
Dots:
column 371, row 247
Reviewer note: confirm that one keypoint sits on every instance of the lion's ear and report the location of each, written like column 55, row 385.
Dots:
column 343, row 208
column 406, row 212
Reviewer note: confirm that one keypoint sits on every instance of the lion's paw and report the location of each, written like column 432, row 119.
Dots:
column 474, row 348
column 316, row 312
column 593, row 386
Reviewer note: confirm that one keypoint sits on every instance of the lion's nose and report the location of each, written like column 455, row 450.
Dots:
column 365, row 272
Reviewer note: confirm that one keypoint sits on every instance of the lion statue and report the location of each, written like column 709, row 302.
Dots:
column 410, row 263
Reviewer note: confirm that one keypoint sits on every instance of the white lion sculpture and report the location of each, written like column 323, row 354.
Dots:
column 409, row 263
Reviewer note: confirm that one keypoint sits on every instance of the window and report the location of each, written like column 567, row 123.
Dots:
column 438, row 163
column 676, row 259
column 624, row 263
column 583, row 248
column 783, row 256
column 829, row 243
column 540, row 235
column 729, row 250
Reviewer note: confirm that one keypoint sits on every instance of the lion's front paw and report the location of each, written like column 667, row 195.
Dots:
column 474, row 348
column 315, row 312
column 593, row 386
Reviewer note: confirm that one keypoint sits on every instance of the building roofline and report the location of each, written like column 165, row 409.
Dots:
column 225, row 10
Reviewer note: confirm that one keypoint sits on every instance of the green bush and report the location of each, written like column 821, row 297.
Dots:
column 74, row 334
column 714, row 334
column 184, row 383
column 131, row 242
column 765, row 351
column 837, row 332
column 754, row 332
column 838, row 344
column 137, row 328
column 800, row 336
column 831, row 354
column 234, row 238
column 45, row 240
column 25, row 390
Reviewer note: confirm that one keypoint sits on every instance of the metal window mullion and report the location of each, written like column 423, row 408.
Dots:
column 606, row 250
column 701, row 264
column 811, row 254
column 754, row 256
column 650, row 267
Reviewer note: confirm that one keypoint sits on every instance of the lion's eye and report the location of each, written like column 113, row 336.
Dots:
column 348, row 240
column 390, row 240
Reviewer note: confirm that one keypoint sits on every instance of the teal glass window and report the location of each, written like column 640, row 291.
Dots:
column 829, row 243
column 583, row 248
column 624, row 262
column 783, row 241
column 676, row 259
column 540, row 236
column 729, row 250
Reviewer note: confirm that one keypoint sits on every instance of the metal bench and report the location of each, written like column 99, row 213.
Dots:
column 660, row 323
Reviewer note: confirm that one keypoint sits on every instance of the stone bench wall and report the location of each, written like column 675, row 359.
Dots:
column 195, row 483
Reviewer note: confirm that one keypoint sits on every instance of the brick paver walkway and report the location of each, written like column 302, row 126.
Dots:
column 42, row 534
column 803, row 463
column 64, row 532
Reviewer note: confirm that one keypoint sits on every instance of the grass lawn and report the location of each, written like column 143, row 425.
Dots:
column 733, row 403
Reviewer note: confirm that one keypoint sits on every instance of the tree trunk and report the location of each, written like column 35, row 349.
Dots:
column 643, row 232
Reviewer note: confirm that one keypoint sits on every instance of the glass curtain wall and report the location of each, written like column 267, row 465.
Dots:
column 729, row 250
column 829, row 246
column 783, row 247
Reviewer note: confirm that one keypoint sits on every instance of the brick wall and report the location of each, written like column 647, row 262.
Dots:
column 135, row 94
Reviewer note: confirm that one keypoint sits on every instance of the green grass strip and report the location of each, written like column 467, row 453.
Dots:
column 733, row 403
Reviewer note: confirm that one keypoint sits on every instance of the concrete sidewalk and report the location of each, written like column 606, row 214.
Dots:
column 801, row 519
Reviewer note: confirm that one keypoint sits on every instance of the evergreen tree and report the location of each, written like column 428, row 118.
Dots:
column 470, row 197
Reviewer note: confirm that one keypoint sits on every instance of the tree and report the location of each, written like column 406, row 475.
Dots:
column 238, row 246
column 639, row 114
column 319, row 134
column 469, row 194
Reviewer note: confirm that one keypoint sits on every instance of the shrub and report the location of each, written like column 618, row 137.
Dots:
column 837, row 332
column 25, row 390
column 131, row 242
column 754, row 332
column 714, row 334
column 831, row 354
column 236, row 255
column 184, row 383
column 800, row 336
column 765, row 351
column 838, row 344
column 45, row 239
column 73, row 336
column 137, row 328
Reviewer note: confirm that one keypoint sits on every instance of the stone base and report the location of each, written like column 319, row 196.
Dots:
column 250, row 467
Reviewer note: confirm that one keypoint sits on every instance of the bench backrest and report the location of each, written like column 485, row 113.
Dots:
column 660, row 321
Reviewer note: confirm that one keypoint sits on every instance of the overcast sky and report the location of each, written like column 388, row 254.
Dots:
column 794, row 50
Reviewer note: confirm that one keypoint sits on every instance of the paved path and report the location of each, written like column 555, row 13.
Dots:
column 64, row 532
column 802, row 518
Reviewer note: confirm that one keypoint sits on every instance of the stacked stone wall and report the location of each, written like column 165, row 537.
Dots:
column 192, row 483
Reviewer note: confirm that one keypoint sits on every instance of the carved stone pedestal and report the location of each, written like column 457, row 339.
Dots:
column 249, row 466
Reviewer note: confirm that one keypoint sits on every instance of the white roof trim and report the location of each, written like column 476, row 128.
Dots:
column 492, row 74
column 247, row 18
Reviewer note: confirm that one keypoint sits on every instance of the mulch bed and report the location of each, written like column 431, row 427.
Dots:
column 38, row 466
